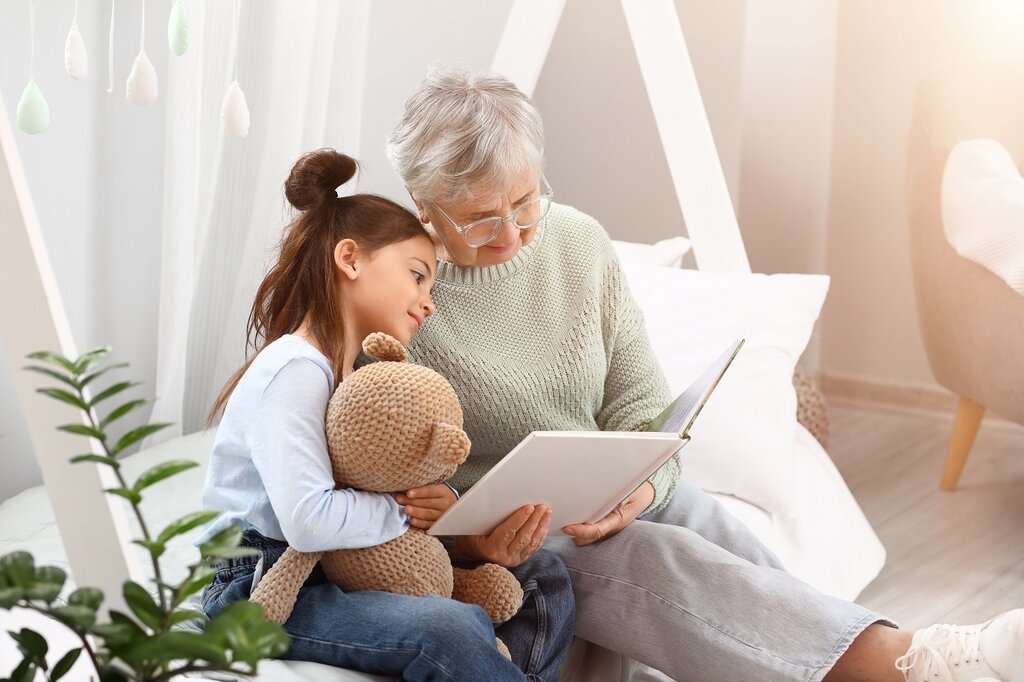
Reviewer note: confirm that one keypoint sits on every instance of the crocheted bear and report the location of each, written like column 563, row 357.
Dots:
column 391, row 426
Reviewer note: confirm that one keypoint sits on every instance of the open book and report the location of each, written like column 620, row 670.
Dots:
column 581, row 475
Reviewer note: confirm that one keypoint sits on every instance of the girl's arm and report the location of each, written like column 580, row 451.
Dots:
column 289, row 449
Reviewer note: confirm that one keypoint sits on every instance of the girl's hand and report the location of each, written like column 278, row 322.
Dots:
column 513, row 541
column 425, row 504
column 617, row 519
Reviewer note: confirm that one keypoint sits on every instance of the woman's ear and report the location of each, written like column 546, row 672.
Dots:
column 421, row 212
column 346, row 258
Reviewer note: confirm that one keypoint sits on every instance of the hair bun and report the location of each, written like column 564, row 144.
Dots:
column 316, row 176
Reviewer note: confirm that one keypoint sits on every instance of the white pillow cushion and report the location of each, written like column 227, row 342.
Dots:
column 667, row 252
column 742, row 442
column 983, row 208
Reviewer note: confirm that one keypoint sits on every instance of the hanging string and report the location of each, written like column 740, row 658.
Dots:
column 110, row 54
column 234, row 38
column 32, row 41
column 142, row 32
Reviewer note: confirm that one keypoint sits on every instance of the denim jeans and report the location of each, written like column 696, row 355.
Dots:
column 415, row 638
column 692, row 592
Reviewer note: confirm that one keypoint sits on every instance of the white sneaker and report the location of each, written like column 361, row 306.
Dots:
column 967, row 653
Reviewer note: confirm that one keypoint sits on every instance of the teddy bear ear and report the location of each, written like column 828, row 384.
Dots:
column 383, row 347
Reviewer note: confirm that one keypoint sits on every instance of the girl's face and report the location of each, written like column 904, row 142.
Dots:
column 387, row 290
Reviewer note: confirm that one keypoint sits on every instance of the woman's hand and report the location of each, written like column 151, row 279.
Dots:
column 513, row 541
column 616, row 520
column 424, row 505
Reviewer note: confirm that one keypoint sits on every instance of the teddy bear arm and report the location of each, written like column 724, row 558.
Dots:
column 490, row 586
column 279, row 588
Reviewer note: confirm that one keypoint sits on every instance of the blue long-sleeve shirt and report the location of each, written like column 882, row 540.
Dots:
column 270, row 470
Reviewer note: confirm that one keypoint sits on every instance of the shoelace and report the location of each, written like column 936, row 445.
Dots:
column 962, row 645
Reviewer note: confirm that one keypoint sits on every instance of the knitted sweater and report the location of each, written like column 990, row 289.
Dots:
column 550, row 340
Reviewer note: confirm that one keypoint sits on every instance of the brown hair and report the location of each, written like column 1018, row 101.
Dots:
column 302, row 282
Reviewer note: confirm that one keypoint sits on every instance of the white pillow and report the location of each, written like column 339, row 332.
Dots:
column 667, row 252
column 742, row 441
column 983, row 208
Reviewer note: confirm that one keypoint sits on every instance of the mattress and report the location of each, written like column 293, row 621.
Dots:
column 827, row 542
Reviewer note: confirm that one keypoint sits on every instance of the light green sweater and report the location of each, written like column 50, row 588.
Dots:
column 551, row 340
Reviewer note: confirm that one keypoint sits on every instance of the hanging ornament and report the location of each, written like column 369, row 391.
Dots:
column 142, row 81
column 234, row 112
column 177, row 29
column 76, row 61
column 33, row 111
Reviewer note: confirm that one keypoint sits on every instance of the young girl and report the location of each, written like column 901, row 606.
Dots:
column 348, row 267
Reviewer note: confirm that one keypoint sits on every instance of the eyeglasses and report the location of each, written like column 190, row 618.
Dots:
column 484, row 231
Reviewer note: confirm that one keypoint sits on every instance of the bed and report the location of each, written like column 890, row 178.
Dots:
column 782, row 484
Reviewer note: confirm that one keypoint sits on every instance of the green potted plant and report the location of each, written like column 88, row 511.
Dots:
column 148, row 643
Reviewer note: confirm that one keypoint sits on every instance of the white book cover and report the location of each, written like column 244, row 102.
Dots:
column 580, row 475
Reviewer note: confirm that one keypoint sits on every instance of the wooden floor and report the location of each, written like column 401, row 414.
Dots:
column 952, row 557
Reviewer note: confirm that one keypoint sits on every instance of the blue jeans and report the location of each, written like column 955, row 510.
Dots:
column 415, row 638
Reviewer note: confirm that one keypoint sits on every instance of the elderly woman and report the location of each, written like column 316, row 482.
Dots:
column 537, row 330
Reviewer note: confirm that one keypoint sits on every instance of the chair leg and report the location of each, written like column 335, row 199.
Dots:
column 965, row 428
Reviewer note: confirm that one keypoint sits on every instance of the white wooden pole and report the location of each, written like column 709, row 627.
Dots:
column 686, row 135
column 93, row 526
column 525, row 42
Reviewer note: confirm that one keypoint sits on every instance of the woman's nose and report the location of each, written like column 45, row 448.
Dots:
column 428, row 307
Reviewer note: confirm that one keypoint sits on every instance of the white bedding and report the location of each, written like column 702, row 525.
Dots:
column 829, row 544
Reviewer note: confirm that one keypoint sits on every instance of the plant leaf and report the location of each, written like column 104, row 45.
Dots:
column 53, row 374
column 86, row 379
column 224, row 545
column 136, row 435
column 185, row 524
column 89, row 597
column 156, row 549
column 179, row 644
column 10, row 596
column 122, row 411
column 90, row 358
column 99, row 459
column 32, row 645
column 202, row 579
column 46, row 584
column 65, row 397
column 19, row 568
column 80, row 617
column 126, row 493
column 142, row 604
column 111, row 391
column 25, row 672
column 63, row 666
column 162, row 471
column 186, row 615
column 54, row 359
column 83, row 430
column 120, row 632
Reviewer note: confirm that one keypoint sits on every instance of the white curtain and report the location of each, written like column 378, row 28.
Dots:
column 300, row 67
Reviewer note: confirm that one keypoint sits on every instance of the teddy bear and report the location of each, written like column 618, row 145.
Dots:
column 393, row 425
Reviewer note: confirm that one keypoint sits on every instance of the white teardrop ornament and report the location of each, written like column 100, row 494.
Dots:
column 142, row 81
column 76, row 60
column 234, row 112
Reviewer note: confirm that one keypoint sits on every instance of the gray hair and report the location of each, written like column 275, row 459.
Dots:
column 465, row 130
